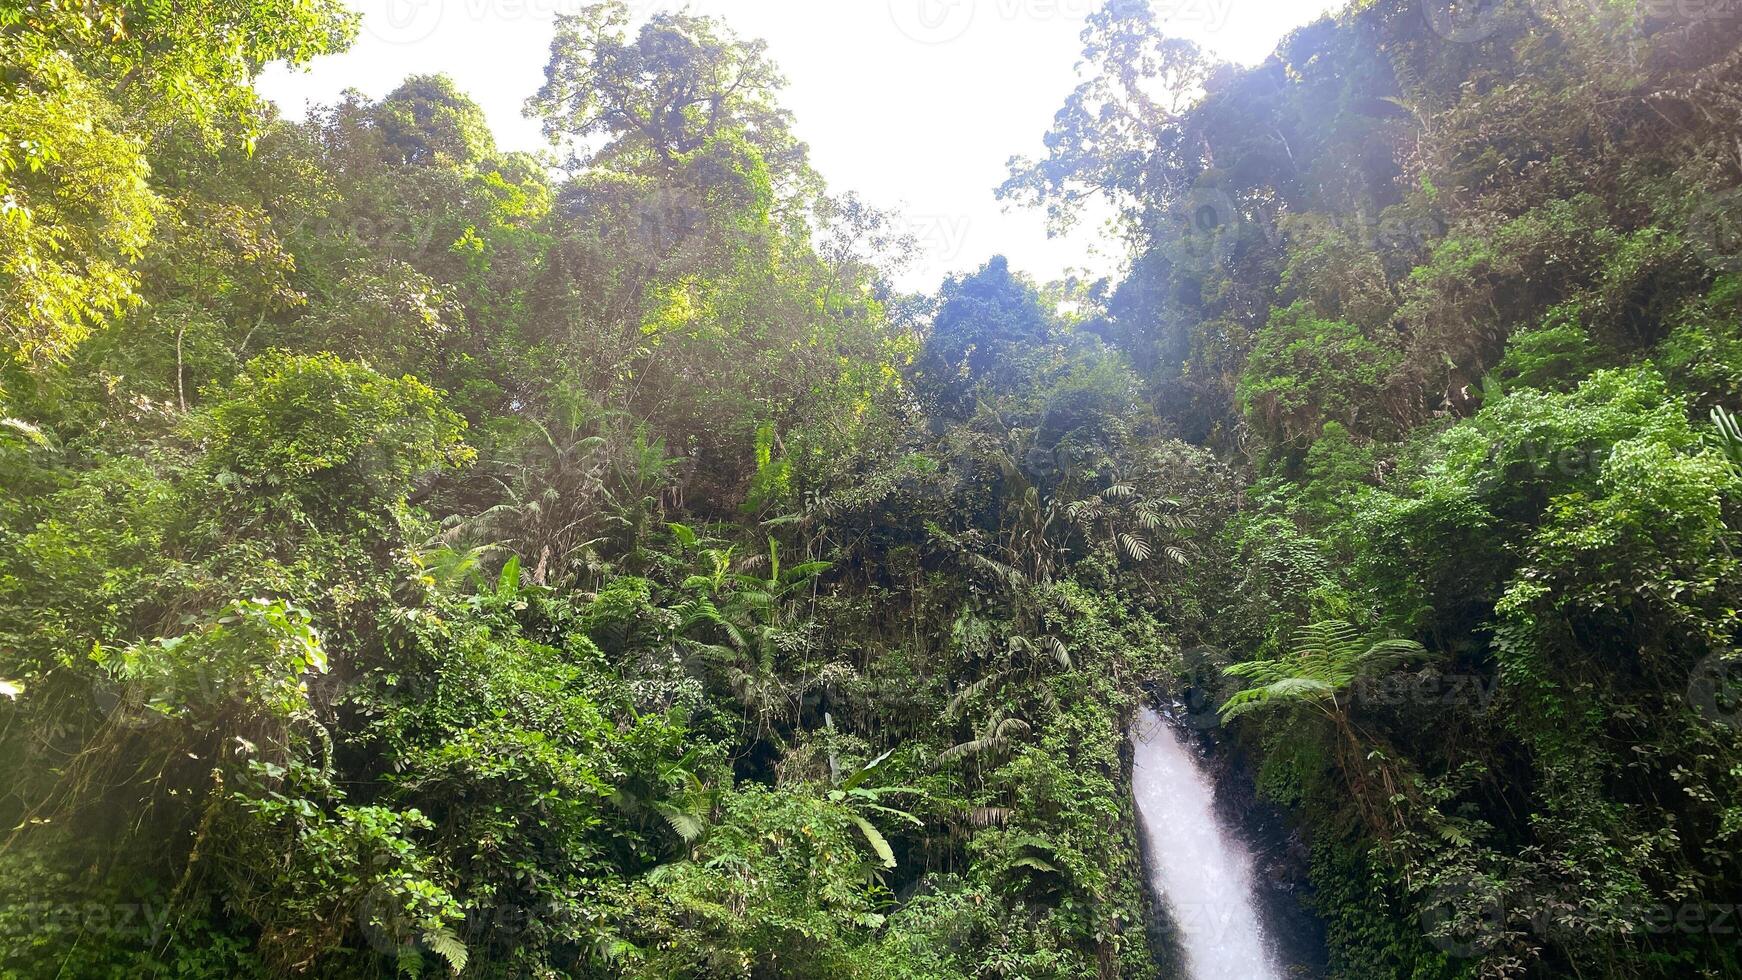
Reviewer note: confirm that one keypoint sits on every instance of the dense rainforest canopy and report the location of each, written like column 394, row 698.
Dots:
column 419, row 558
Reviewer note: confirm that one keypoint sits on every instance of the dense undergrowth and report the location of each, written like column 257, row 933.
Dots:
column 417, row 558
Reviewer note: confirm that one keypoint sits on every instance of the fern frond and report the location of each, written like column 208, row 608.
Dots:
column 1283, row 691
column 683, row 534
column 803, row 572
column 446, row 944
column 613, row 950
column 1388, row 655
column 686, row 825
column 28, row 432
column 971, row 747
column 1729, row 434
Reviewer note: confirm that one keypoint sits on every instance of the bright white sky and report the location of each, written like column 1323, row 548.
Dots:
column 915, row 104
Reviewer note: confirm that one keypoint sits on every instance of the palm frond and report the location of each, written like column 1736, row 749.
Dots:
column 972, row 691
column 1135, row 545
column 1060, row 652
column 990, row 816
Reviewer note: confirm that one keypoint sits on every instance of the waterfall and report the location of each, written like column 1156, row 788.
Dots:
column 1198, row 869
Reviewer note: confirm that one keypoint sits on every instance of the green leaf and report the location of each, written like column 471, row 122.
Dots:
column 31, row 433
column 865, row 770
column 875, row 839
column 508, row 583
column 684, row 534
column 683, row 823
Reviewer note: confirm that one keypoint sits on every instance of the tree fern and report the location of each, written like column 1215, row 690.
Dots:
column 1326, row 659
column 686, row 825
column 1035, row 863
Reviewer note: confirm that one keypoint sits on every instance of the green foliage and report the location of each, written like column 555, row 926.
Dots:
column 329, row 430
column 1306, row 372
column 426, row 120
column 77, row 213
column 988, row 338
column 252, row 659
column 83, row 91
column 1496, row 309
column 1551, row 357
column 416, row 557
column 1729, row 434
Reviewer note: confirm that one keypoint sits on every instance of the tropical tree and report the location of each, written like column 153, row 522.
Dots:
column 85, row 92
column 738, row 624
column 1324, row 673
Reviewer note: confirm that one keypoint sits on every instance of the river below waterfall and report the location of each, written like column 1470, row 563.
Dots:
column 1198, row 869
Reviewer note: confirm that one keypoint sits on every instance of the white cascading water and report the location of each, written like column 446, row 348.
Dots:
column 1202, row 872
